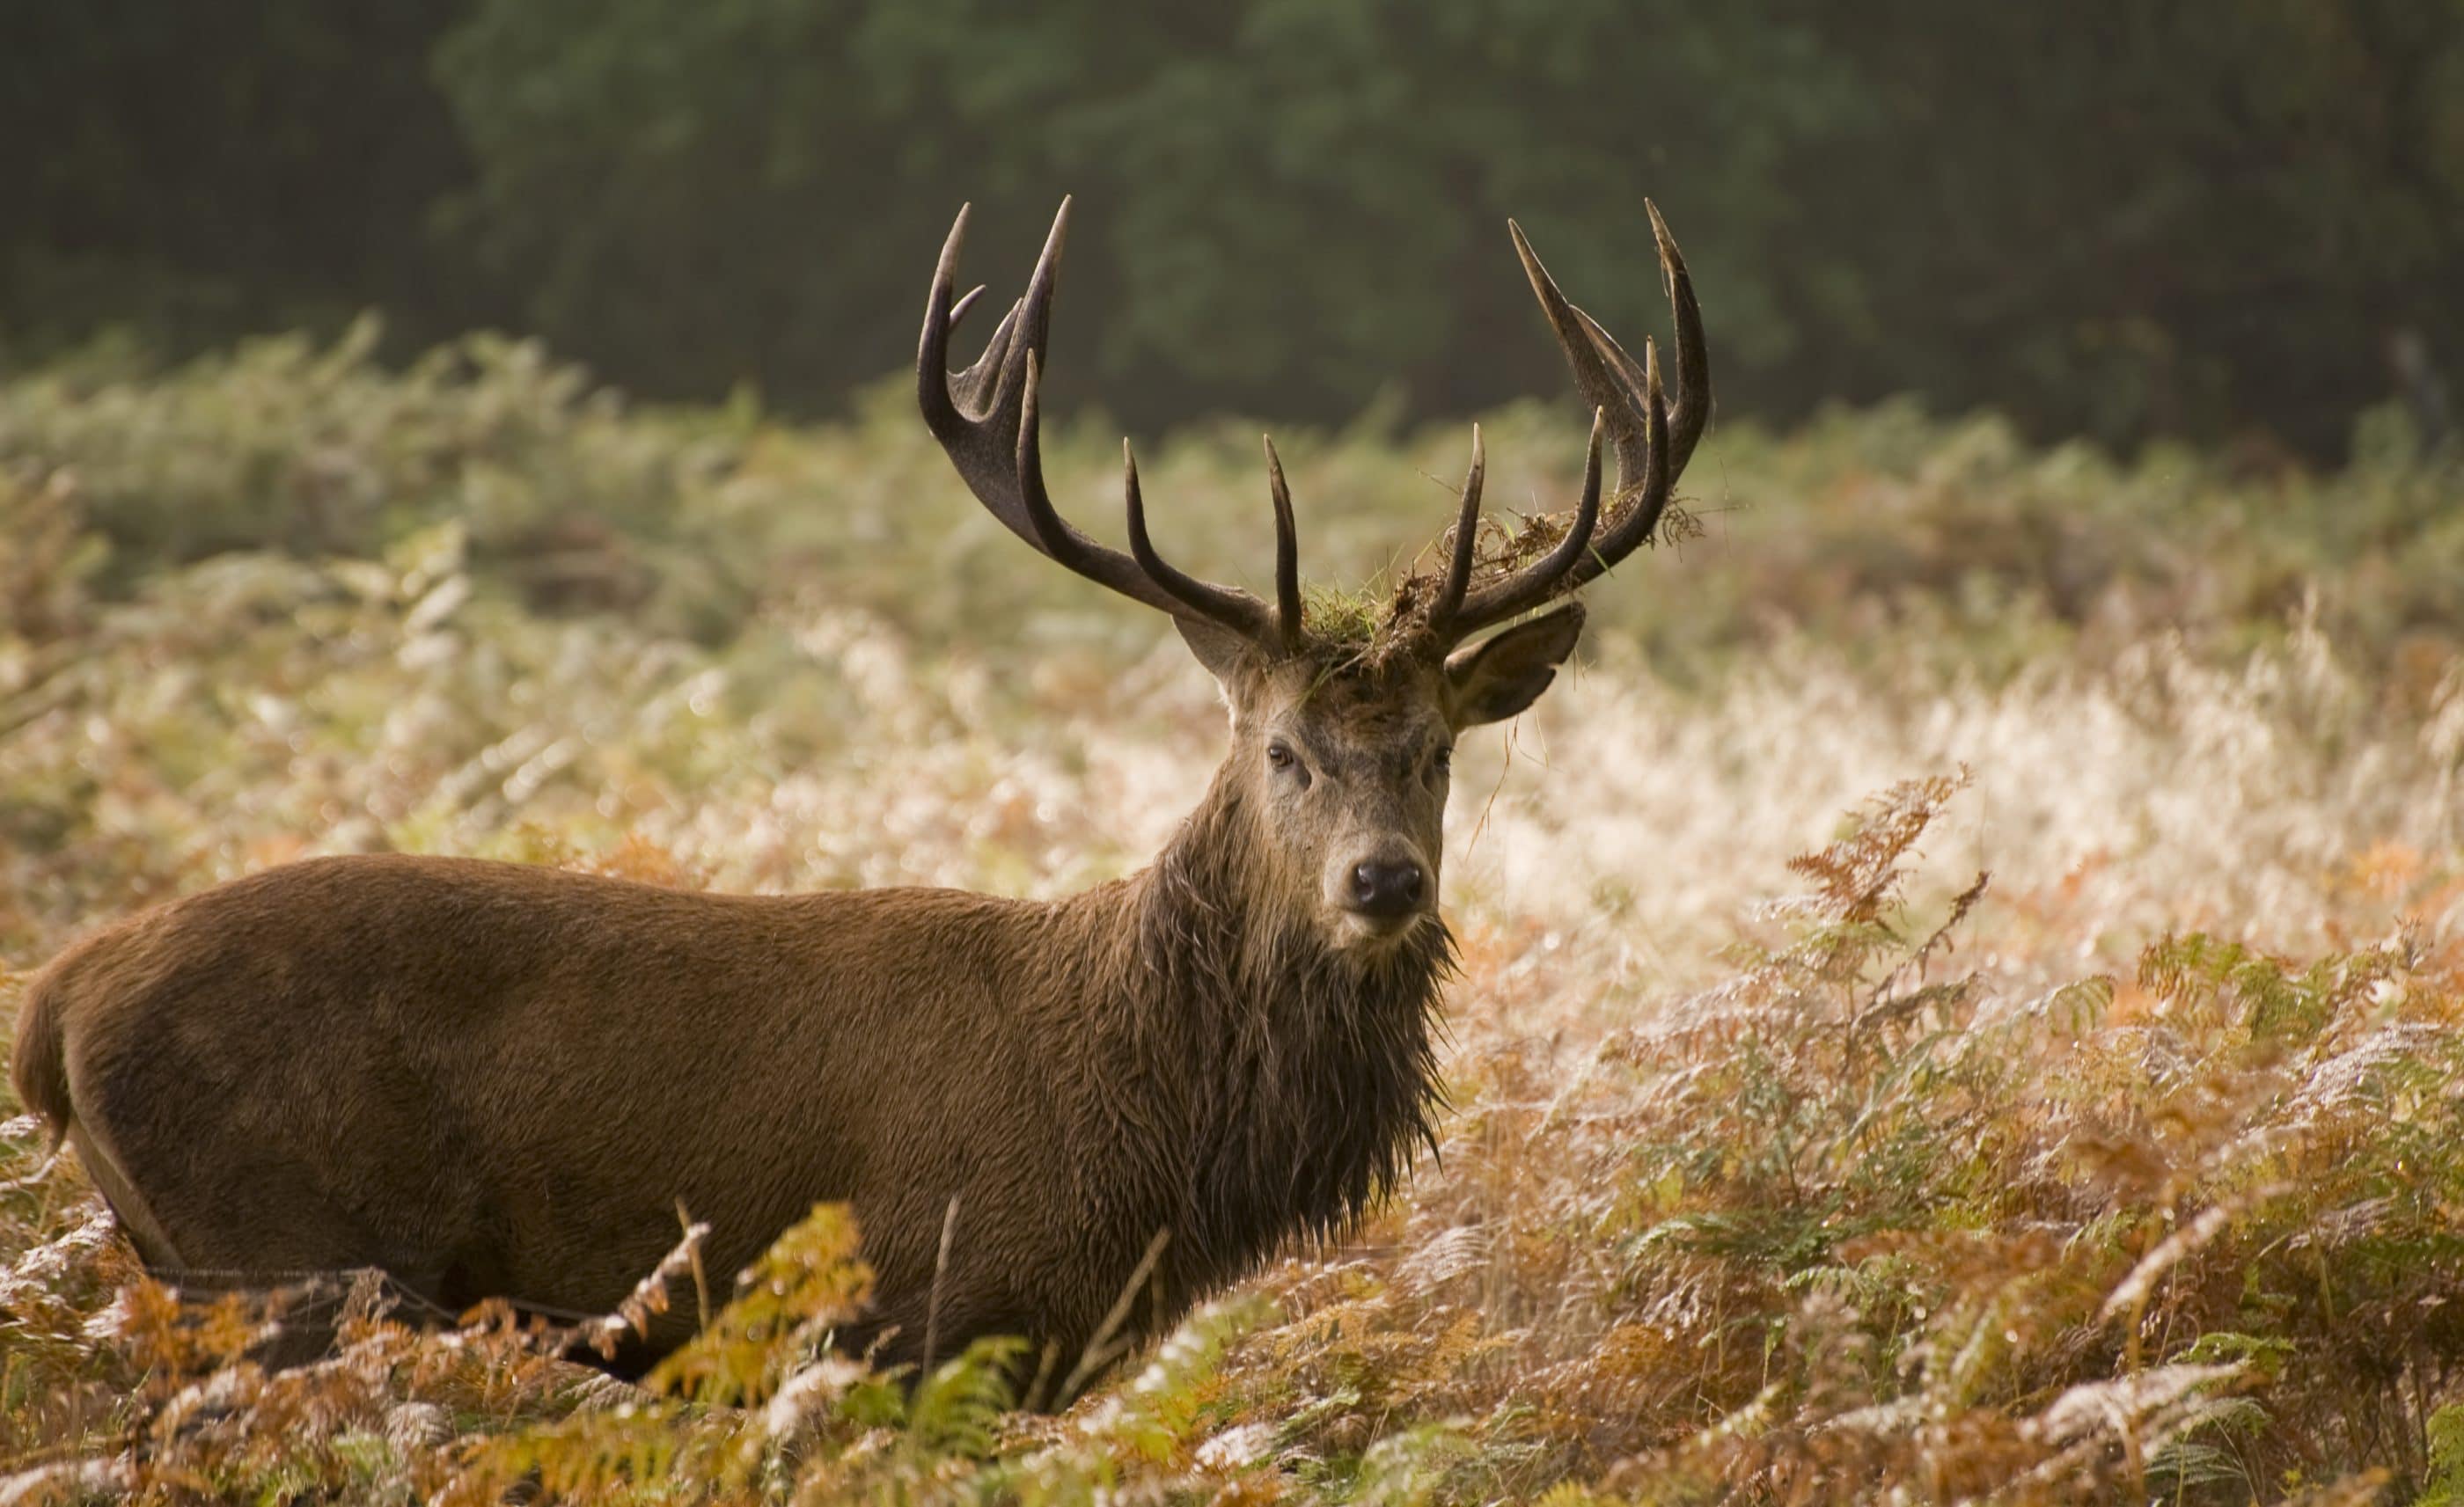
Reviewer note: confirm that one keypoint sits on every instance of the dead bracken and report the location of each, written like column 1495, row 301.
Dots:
column 2140, row 1182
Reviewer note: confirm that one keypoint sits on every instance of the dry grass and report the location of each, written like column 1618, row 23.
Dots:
column 2133, row 1174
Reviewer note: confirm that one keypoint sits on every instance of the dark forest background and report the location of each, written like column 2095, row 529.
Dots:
column 2223, row 219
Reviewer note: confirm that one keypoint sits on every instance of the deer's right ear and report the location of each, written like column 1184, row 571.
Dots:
column 1497, row 679
column 1218, row 648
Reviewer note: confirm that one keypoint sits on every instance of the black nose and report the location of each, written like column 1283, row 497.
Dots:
column 1388, row 890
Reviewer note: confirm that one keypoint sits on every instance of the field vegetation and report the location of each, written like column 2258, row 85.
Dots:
column 1961, row 989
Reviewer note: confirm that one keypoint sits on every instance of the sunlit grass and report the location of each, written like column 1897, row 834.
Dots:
column 2133, row 1175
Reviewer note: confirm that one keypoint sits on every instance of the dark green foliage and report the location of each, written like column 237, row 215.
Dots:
column 189, row 171
column 2109, row 218
column 2117, row 217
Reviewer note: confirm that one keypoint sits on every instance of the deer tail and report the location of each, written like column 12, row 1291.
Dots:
column 38, row 1066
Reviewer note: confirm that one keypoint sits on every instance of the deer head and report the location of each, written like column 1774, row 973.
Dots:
column 1342, row 737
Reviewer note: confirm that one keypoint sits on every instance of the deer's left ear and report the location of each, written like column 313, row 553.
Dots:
column 1222, row 651
column 1499, row 677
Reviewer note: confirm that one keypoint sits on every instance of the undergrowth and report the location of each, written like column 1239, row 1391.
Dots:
column 1854, row 1223
column 2133, row 1173
column 1952, row 540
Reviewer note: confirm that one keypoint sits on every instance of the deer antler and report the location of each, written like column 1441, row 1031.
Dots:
column 1654, row 440
column 985, row 418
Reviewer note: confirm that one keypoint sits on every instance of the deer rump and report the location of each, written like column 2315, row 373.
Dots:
column 495, row 1080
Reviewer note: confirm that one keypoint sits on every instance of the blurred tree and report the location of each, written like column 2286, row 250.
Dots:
column 2116, row 218
column 1363, row 156
column 693, row 195
column 189, row 171
column 2106, row 217
column 1295, row 201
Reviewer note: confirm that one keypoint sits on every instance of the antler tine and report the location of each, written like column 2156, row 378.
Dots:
column 1034, row 321
column 1450, row 595
column 1217, row 604
column 1691, row 411
column 1644, row 504
column 1592, row 378
column 1535, row 584
column 988, row 421
column 933, row 351
column 1053, row 533
column 1288, row 554
column 1686, row 416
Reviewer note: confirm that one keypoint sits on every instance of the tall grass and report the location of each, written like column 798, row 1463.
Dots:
column 1792, row 1161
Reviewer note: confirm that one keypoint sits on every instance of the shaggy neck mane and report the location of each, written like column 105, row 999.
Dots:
column 1292, row 1080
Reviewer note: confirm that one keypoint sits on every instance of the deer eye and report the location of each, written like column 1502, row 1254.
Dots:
column 1281, row 758
column 1443, row 761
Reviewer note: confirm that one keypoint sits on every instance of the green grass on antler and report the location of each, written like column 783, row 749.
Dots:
column 1353, row 616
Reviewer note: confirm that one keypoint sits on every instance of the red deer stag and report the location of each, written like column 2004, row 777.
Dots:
column 497, row 1080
